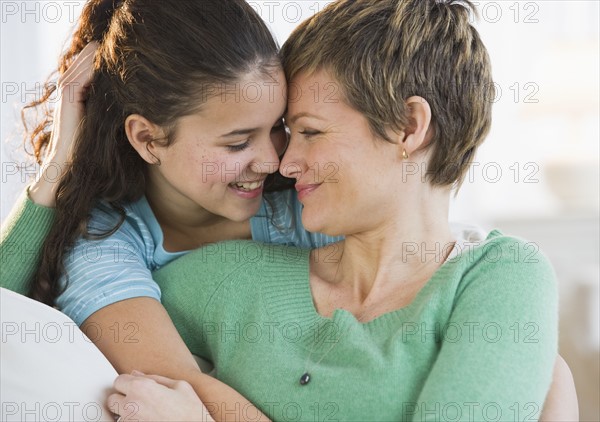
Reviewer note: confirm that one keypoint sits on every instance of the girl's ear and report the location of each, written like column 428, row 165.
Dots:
column 141, row 134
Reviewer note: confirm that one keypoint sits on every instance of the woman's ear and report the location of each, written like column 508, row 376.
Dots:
column 416, row 134
column 141, row 134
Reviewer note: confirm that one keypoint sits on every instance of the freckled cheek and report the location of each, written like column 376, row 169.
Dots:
column 199, row 166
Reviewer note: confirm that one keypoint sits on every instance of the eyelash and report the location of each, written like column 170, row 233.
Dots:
column 238, row 148
column 309, row 133
column 241, row 147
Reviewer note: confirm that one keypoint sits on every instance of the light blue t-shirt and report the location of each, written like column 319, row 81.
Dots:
column 118, row 267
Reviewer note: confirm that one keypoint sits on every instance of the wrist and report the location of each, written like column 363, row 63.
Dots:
column 43, row 190
column 42, row 193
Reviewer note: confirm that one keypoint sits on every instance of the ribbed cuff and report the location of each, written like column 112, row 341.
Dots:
column 21, row 238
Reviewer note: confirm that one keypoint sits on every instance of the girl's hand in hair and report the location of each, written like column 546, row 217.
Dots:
column 142, row 397
column 68, row 114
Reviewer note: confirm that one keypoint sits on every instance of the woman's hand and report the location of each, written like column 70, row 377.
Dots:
column 72, row 87
column 142, row 397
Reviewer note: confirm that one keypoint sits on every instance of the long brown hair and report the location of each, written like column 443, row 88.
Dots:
column 156, row 59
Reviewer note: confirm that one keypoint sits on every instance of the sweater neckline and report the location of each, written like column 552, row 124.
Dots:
column 343, row 317
column 289, row 300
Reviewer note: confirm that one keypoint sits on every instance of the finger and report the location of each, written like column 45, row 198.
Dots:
column 89, row 51
column 81, row 64
column 115, row 403
column 76, row 80
column 91, row 47
column 82, row 78
column 85, row 59
column 124, row 407
column 123, row 383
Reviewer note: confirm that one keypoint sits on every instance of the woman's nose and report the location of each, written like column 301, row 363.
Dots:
column 291, row 163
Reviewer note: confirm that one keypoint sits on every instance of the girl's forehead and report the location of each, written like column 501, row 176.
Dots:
column 250, row 104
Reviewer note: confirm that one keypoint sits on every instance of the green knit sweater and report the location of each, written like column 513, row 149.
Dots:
column 21, row 239
column 477, row 343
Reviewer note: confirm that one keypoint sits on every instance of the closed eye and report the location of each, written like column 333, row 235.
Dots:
column 239, row 147
column 310, row 133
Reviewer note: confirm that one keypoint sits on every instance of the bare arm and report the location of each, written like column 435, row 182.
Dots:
column 137, row 334
column 561, row 402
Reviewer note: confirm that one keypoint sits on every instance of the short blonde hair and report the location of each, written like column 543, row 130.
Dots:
column 382, row 52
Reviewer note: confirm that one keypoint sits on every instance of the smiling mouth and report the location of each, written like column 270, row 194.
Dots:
column 247, row 186
column 305, row 190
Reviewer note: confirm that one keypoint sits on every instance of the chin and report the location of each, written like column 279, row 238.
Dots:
column 239, row 216
column 318, row 225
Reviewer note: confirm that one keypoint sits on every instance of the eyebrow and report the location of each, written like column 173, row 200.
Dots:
column 248, row 131
column 304, row 114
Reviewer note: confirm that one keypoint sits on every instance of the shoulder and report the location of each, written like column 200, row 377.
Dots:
column 508, row 251
column 233, row 278
column 129, row 220
column 506, row 266
column 112, row 263
column 119, row 234
column 231, row 272
column 234, row 262
column 221, row 259
column 468, row 232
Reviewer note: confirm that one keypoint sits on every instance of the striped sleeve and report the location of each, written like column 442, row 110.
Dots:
column 102, row 272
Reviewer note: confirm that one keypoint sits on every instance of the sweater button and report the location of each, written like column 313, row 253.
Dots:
column 305, row 379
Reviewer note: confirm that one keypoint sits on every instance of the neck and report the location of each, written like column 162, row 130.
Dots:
column 171, row 210
column 404, row 251
column 186, row 225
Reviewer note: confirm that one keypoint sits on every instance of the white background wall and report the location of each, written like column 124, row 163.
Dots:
column 536, row 175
